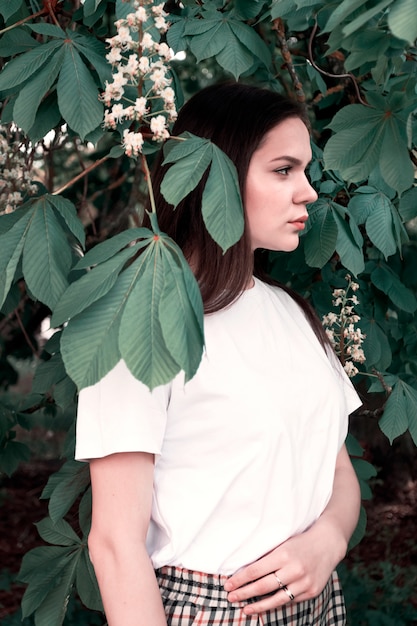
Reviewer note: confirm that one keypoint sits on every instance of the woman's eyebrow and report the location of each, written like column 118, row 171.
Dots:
column 290, row 159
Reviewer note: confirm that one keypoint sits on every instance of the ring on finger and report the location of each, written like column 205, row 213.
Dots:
column 280, row 583
column 288, row 592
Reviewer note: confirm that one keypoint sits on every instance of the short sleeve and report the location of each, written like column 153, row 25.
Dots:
column 120, row 414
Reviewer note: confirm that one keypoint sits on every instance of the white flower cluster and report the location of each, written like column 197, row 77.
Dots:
column 142, row 63
column 341, row 329
column 15, row 177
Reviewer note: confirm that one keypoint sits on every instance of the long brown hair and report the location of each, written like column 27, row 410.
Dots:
column 236, row 117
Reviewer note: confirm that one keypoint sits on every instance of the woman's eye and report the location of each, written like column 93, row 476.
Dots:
column 284, row 171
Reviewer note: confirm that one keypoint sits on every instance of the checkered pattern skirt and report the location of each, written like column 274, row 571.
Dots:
column 196, row 599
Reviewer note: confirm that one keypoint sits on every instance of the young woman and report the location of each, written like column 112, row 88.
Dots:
column 229, row 499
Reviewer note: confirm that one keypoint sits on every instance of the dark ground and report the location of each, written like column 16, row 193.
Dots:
column 391, row 531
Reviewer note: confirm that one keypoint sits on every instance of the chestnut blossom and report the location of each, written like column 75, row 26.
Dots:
column 132, row 142
column 341, row 329
column 141, row 62
column 158, row 127
column 16, row 177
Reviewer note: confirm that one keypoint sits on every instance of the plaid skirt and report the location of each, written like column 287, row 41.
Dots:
column 196, row 599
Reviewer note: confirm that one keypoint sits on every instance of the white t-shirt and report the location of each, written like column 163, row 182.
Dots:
column 246, row 450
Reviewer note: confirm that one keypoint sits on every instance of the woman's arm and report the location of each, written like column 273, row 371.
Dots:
column 122, row 498
column 304, row 562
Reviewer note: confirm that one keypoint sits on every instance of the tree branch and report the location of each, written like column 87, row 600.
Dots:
column 278, row 26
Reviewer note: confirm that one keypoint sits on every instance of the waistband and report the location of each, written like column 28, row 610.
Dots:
column 199, row 588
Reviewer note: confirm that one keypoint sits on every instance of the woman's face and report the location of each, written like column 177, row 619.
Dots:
column 277, row 189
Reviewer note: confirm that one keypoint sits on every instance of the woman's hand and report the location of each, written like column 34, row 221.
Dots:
column 299, row 568
column 302, row 564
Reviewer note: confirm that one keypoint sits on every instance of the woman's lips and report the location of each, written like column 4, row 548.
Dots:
column 300, row 223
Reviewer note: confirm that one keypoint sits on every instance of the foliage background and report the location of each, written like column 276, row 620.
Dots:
column 354, row 65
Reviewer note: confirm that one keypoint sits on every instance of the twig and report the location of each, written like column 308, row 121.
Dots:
column 379, row 376
column 26, row 336
column 278, row 26
column 319, row 69
column 79, row 176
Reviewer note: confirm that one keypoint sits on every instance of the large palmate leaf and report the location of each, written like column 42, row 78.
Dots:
column 221, row 204
column 46, row 266
column 51, row 571
column 129, row 313
column 400, row 412
column 235, row 45
column 58, row 61
column 366, row 137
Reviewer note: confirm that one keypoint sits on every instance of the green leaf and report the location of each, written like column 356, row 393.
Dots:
column 366, row 137
column 142, row 344
column 11, row 246
column 16, row 41
column 387, row 281
column 90, row 287
column 221, row 203
column 68, row 212
column 379, row 226
column 59, row 533
column 65, row 392
column 64, row 487
column 180, row 327
column 186, row 172
column 247, row 36
column 360, row 529
column 364, row 202
column 402, row 20
column 395, row 163
column 50, row 573
column 248, row 9
column 364, row 17
column 209, row 42
column 86, row 583
column 24, row 66
column 376, row 345
column 408, row 205
column 351, row 254
column 394, row 420
column 106, row 249
column 234, row 57
column 12, row 453
column 46, row 267
column 47, row 374
column 340, row 13
column 78, row 94
column 90, row 341
column 31, row 95
column 95, row 51
column 8, row 220
column 9, row 8
column 90, row 6
column 50, row 30
column 47, row 117
column 320, row 242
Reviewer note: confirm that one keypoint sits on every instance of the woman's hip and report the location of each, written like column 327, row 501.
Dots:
column 197, row 599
